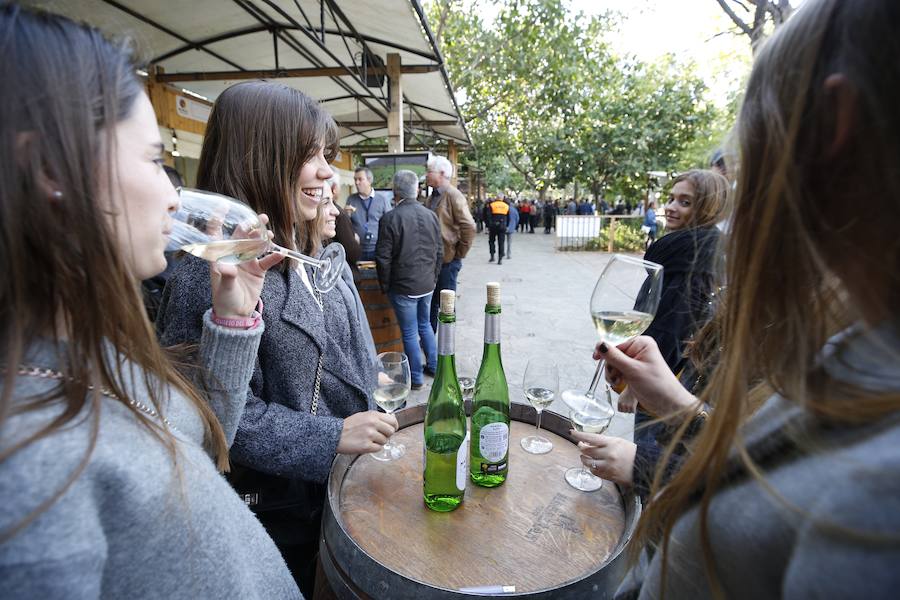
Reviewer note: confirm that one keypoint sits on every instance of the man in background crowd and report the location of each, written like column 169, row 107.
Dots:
column 457, row 226
column 498, row 218
column 366, row 209
column 408, row 260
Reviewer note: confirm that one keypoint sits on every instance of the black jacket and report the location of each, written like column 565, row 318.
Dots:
column 409, row 252
column 689, row 265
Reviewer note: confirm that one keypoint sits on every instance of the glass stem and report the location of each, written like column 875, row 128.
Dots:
column 538, row 422
column 596, row 379
column 308, row 260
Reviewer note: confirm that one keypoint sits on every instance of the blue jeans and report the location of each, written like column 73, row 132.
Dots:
column 412, row 315
column 446, row 281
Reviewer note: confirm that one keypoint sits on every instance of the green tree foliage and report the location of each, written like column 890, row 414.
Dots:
column 548, row 102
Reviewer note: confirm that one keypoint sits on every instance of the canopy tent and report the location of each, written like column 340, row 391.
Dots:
column 336, row 51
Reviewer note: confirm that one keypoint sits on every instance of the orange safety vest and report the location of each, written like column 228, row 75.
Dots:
column 499, row 207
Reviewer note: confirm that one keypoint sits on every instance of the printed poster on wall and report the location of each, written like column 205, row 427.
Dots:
column 191, row 109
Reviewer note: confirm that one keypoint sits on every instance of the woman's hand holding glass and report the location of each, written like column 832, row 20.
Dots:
column 366, row 432
column 639, row 364
column 607, row 456
column 236, row 287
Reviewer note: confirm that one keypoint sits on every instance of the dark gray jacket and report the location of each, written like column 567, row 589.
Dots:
column 278, row 438
column 410, row 251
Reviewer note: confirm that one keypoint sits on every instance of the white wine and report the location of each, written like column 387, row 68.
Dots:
column 467, row 385
column 617, row 326
column 228, row 251
column 391, row 397
column 591, row 422
column 539, row 398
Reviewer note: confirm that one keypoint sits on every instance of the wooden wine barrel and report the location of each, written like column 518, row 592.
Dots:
column 379, row 313
column 534, row 532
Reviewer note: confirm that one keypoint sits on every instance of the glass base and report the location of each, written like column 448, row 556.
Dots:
column 535, row 444
column 443, row 502
column 389, row 452
column 582, row 479
column 326, row 276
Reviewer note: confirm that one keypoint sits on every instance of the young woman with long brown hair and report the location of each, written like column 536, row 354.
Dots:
column 108, row 455
column 797, row 495
column 311, row 394
column 697, row 204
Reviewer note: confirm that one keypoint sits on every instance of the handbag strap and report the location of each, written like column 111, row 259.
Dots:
column 316, row 386
column 314, row 407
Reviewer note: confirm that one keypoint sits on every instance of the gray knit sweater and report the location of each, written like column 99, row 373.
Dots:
column 831, row 479
column 133, row 524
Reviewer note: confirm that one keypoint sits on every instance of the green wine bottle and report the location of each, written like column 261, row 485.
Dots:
column 490, row 408
column 446, row 434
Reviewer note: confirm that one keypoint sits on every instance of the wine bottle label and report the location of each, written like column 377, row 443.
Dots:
column 493, row 441
column 462, row 464
column 491, row 329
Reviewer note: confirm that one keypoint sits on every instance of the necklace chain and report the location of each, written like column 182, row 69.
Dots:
column 45, row 373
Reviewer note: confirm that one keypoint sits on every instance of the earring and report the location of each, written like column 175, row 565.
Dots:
column 57, row 195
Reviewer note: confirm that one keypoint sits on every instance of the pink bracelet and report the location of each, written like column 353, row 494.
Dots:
column 241, row 322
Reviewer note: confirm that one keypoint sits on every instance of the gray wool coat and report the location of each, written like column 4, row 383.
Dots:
column 833, row 479
column 278, row 437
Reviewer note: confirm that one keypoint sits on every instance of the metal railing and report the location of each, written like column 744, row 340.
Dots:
column 575, row 232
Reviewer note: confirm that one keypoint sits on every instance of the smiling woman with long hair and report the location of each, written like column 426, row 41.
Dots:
column 107, row 454
column 791, row 487
column 311, row 394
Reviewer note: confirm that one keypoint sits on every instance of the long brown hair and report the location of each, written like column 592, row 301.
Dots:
column 259, row 136
column 65, row 87
column 710, row 196
column 802, row 260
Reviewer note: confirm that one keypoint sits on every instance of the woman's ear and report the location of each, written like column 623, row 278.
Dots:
column 25, row 141
column 842, row 98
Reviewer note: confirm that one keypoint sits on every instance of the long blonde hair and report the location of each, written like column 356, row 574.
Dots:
column 65, row 87
column 798, row 251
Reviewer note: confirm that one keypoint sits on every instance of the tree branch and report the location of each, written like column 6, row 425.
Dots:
column 442, row 20
column 516, row 166
column 737, row 20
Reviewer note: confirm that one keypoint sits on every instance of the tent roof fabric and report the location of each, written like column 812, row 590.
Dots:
column 246, row 36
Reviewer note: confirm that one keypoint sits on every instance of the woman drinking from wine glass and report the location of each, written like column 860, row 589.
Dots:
column 697, row 203
column 791, row 487
column 109, row 458
column 311, row 394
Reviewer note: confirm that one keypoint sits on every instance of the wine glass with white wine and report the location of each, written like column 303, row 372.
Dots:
column 221, row 229
column 391, row 389
column 589, row 415
column 623, row 305
column 540, row 384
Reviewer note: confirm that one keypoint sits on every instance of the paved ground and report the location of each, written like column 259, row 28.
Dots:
column 545, row 313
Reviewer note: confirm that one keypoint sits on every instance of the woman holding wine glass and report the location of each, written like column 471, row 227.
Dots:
column 311, row 394
column 113, row 456
column 790, row 488
column 697, row 204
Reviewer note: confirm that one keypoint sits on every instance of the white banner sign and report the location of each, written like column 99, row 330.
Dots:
column 191, row 109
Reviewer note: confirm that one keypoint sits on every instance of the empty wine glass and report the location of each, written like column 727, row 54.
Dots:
column 391, row 389
column 591, row 415
column 540, row 383
column 467, row 373
column 221, row 229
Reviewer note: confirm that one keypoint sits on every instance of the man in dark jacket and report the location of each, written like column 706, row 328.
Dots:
column 408, row 256
column 498, row 217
